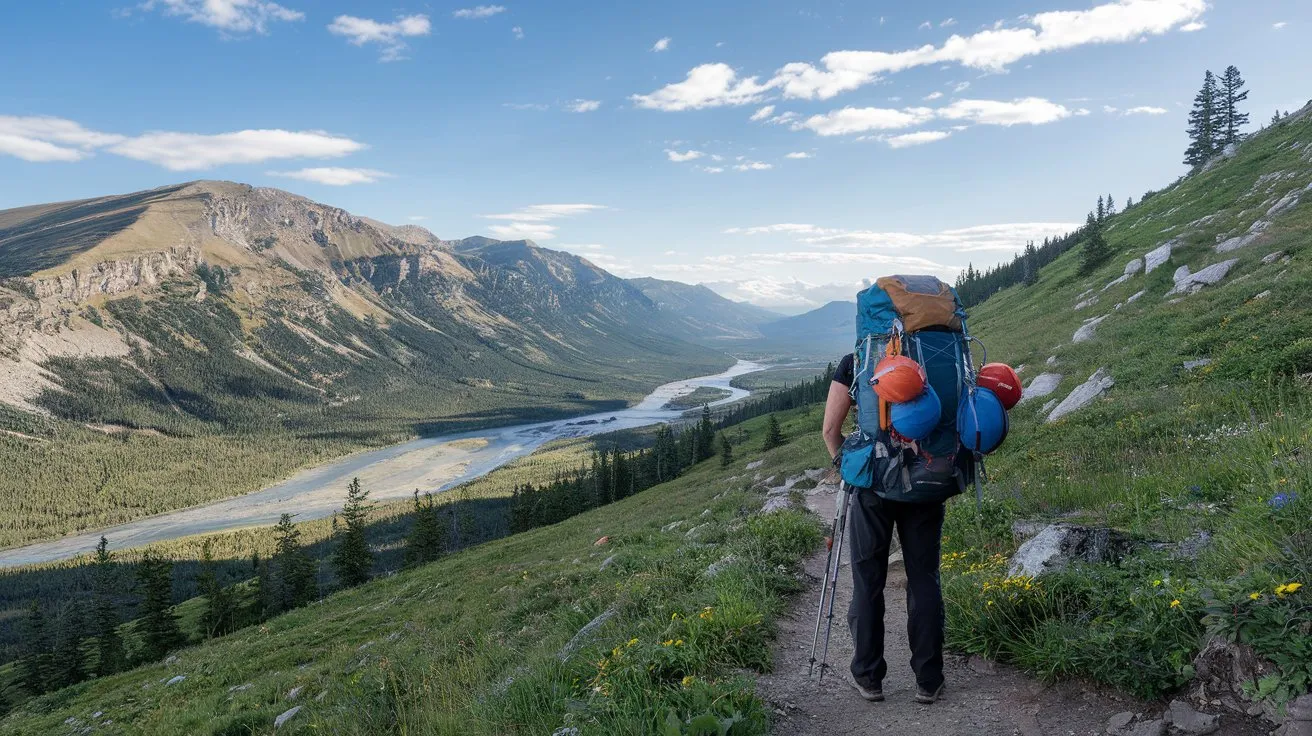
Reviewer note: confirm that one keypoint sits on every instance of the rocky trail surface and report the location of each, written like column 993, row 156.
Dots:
column 982, row 697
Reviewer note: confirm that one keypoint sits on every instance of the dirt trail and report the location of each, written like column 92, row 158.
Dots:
column 981, row 697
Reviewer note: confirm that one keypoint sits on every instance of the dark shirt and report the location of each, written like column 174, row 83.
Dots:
column 843, row 374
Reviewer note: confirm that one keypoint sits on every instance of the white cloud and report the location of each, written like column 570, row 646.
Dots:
column 1197, row 25
column 588, row 247
column 789, row 295
column 763, row 113
column 360, row 31
column 713, row 169
column 925, row 26
column 917, row 138
column 861, row 119
column 229, row 16
column 1081, row 112
column 531, row 222
column 1145, row 110
column 799, row 154
column 583, row 105
column 677, row 157
column 519, row 33
column 481, row 11
column 961, row 87
column 753, row 166
column 526, row 106
column 716, row 157
column 1001, row 238
column 1278, row 25
column 1119, row 21
column 948, row 22
column 335, row 176
column 708, row 85
column 190, row 151
column 41, row 138
column 661, row 45
column 933, row 96
column 1110, row 110
column 1028, row 110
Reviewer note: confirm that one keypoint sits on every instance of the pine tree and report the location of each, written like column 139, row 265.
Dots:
column 1129, row 202
column 1203, row 119
column 67, row 663
column 157, row 623
column 1275, row 118
column 726, row 451
column 427, row 539
column 1102, row 213
column 1232, row 93
column 352, row 560
column 1111, row 206
column 34, row 667
column 705, row 435
column 1096, row 250
column 104, row 614
column 264, row 599
column 216, row 619
column 774, row 436
column 293, row 570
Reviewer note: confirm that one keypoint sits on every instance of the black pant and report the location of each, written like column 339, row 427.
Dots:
column 920, row 528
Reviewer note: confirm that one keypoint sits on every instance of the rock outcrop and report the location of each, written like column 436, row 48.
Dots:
column 1058, row 545
column 1042, row 385
column 1085, row 333
column 1190, row 283
column 1157, row 256
column 1086, row 393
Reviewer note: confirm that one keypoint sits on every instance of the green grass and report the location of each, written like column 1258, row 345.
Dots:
column 702, row 395
column 469, row 644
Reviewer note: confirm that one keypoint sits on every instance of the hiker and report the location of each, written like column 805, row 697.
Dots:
column 919, row 527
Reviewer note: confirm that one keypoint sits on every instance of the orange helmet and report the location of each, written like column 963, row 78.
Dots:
column 1002, row 381
column 898, row 379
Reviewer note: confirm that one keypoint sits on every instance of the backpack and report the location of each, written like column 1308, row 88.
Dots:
column 922, row 318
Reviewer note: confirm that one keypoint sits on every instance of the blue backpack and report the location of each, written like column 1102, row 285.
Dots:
column 922, row 318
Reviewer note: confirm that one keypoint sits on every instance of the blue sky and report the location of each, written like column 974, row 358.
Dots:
column 778, row 151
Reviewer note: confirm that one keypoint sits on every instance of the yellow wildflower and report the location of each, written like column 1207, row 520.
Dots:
column 990, row 603
column 1292, row 587
column 632, row 641
column 675, row 616
column 1254, row 596
column 707, row 614
column 1157, row 583
column 688, row 680
column 667, row 642
column 1175, row 603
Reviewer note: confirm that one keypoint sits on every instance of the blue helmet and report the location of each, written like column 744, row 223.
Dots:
column 916, row 418
column 981, row 421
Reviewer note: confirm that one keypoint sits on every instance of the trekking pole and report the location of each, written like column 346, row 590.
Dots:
column 824, row 585
column 833, row 583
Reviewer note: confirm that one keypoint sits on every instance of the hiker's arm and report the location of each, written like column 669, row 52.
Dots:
column 836, row 408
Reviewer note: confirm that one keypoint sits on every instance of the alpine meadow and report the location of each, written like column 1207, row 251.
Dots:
column 656, row 368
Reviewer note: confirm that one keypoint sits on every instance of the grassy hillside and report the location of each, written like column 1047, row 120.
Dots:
column 1216, row 454
column 479, row 642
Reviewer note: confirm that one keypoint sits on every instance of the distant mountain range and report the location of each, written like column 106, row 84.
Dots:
column 705, row 314
column 824, row 330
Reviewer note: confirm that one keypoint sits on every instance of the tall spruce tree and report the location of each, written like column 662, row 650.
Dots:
column 34, row 668
column 726, row 450
column 1111, row 206
column 264, row 599
column 1030, row 275
column 427, row 539
column 216, row 619
column 67, row 662
column 293, row 569
column 1101, row 211
column 104, row 612
column 774, row 436
column 157, row 623
column 1203, row 120
column 705, row 435
column 352, row 560
column 1096, row 250
column 1232, row 93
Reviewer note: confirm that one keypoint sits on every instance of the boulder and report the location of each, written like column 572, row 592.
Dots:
column 775, row 503
column 1134, row 297
column 755, row 464
column 1148, row 728
column 1117, row 724
column 1191, row 365
column 1192, row 283
column 1180, row 274
column 1184, row 719
column 1052, row 360
column 1060, row 544
column 1086, row 303
column 1262, row 295
column 1248, row 238
column 1270, row 258
column 1048, row 406
column 585, row 634
column 1287, row 202
column 1117, row 280
column 286, row 716
column 1084, row 394
column 1042, row 385
column 715, row 568
column 1085, row 333
column 1157, row 256
column 176, row 679
column 1133, row 267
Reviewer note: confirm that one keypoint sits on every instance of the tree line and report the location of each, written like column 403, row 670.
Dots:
column 85, row 635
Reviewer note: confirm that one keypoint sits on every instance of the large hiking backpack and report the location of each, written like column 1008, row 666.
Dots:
column 922, row 318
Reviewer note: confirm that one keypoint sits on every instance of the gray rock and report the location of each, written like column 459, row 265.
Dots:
column 1186, row 720
column 1135, row 297
column 715, row 568
column 1042, row 385
column 1242, row 241
column 1060, row 544
column 755, row 464
column 1180, row 274
column 1117, row 723
column 1052, row 360
column 1148, row 728
column 1209, row 276
column 672, row 526
column 606, row 563
column 176, row 679
column 1270, row 258
column 1086, row 303
column 295, row 692
column 1157, row 256
column 1085, row 333
column 1024, row 529
column 1191, row 365
column 775, row 503
column 1117, row 280
column 1134, row 267
column 584, row 634
column 286, row 716
column 239, row 688
column 1048, row 406
column 1084, row 394
column 1262, row 295
column 1287, row 202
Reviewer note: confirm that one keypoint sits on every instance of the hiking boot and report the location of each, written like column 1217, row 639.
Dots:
column 929, row 697
column 873, row 694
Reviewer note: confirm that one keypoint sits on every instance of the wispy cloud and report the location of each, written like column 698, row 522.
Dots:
column 799, row 154
column 680, row 157
column 519, row 33
column 763, row 113
column 361, row 31
column 583, row 105
column 993, row 49
column 41, row 139
column 532, row 222
column 661, row 45
column 1145, row 110
column 228, row 16
column 193, row 151
column 1278, row 25
column 932, row 96
column 753, row 166
column 915, row 139
column 335, row 176
column 479, row 12
column 1197, row 25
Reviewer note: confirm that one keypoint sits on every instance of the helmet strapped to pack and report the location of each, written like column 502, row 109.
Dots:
column 907, row 446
